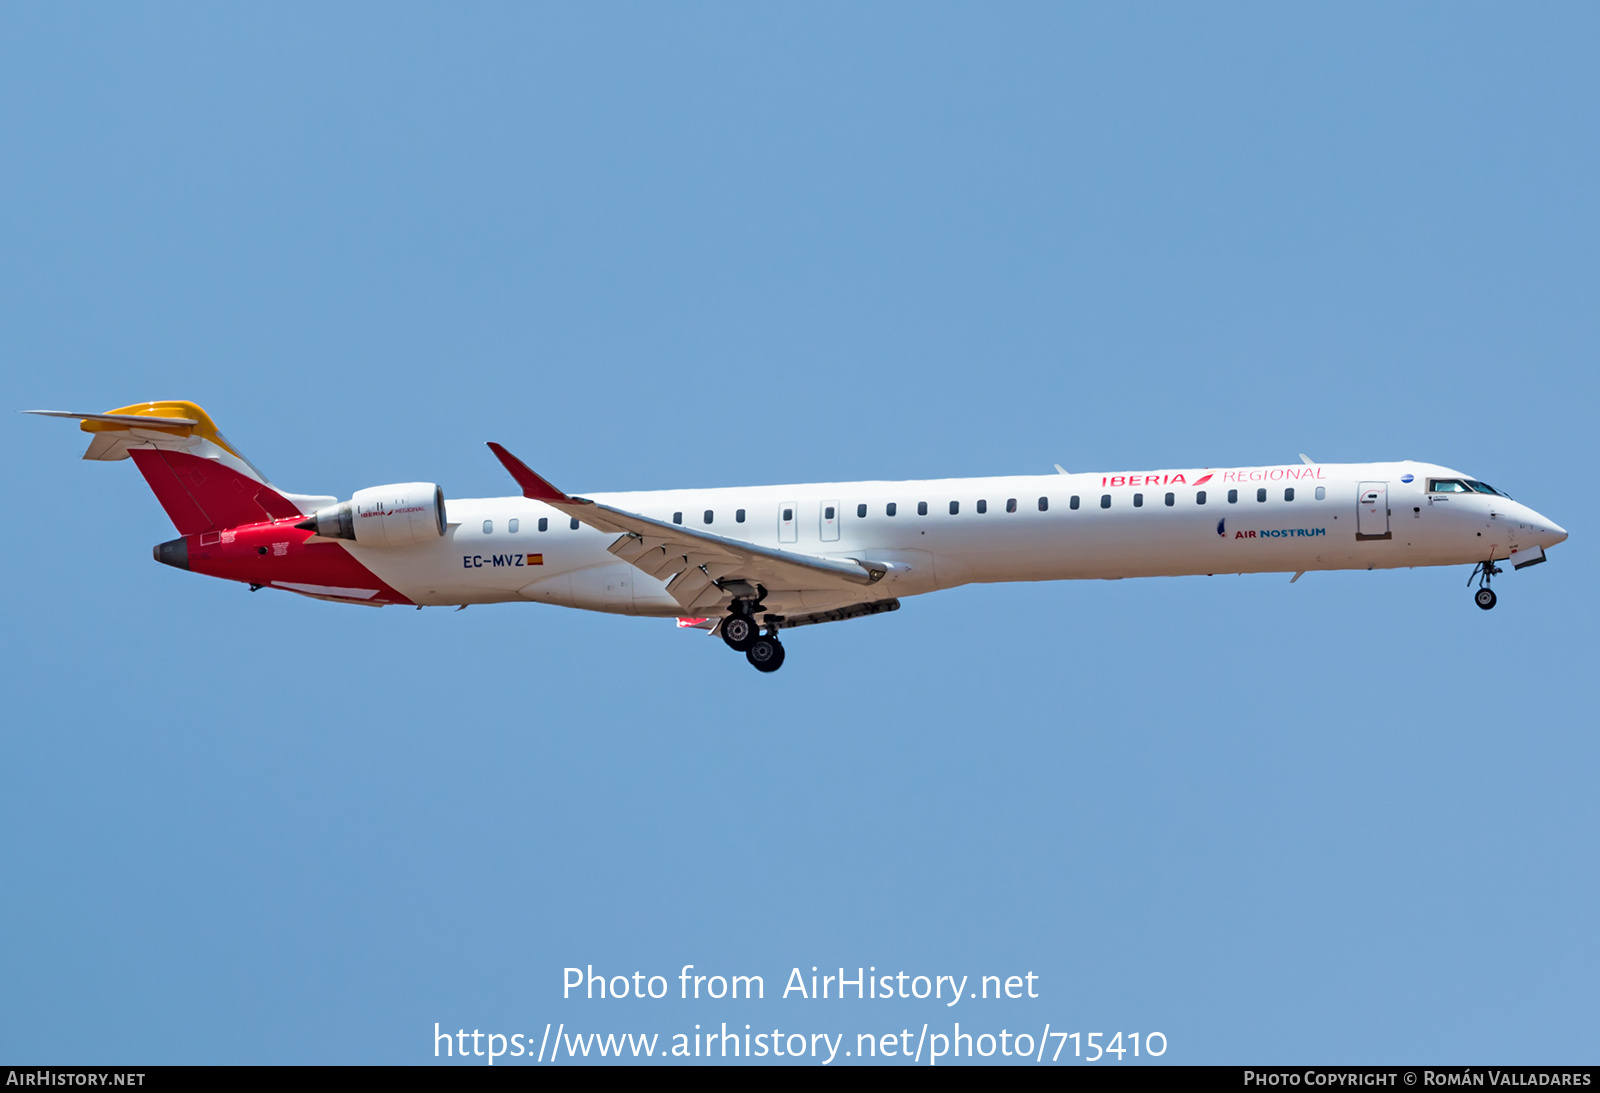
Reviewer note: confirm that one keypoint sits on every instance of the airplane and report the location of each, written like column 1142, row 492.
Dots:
column 746, row 563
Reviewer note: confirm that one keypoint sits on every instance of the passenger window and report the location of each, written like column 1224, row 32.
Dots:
column 488, row 527
column 922, row 508
column 1072, row 502
column 983, row 506
column 1322, row 493
column 1172, row 499
column 1138, row 500
column 1044, row 504
column 890, row 509
column 708, row 516
column 1288, row 494
column 1261, row 494
column 1200, row 498
column 1105, row 500
column 1011, row 505
column 955, row 507
column 574, row 523
column 513, row 525
column 677, row 518
column 738, row 516
column 861, row 512
column 1233, row 497
column 544, row 523
column 827, row 513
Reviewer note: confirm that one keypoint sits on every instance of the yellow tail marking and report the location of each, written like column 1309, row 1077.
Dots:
column 206, row 427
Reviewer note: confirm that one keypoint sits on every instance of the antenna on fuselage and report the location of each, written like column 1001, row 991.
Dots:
column 1307, row 460
column 1060, row 469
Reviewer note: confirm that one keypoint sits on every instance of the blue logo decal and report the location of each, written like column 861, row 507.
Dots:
column 1222, row 526
column 1406, row 477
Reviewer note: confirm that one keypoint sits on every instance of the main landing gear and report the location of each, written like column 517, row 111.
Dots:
column 765, row 653
column 742, row 634
column 1483, row 572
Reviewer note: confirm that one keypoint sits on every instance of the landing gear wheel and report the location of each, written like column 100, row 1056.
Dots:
column 1484, row 572
column 765, row 654
column 739, row 631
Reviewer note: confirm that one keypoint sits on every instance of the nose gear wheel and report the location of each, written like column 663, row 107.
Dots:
column 1483, row 573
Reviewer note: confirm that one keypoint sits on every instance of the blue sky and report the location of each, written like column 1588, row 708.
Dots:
column 1348, row 820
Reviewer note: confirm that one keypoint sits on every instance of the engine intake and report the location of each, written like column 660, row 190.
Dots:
column 383, row 516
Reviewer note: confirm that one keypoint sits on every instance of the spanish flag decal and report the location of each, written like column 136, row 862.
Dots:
column 536, row 559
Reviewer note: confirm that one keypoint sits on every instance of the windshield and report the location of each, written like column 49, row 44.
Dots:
column 1463, row 485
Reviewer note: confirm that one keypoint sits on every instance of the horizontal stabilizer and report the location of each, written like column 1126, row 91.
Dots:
column 118, row 419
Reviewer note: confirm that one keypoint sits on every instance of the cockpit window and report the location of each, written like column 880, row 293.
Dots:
column 1446, row 485
column 1483, row 487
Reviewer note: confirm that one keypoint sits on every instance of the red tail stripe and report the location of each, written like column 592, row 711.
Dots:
column 205, row 495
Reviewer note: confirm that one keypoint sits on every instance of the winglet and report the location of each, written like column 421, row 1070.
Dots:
column 533, row 487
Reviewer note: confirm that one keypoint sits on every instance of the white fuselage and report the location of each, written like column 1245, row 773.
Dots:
column 1102, row 526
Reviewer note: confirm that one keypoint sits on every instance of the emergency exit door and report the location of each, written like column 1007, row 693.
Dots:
column 828, row 521
column 786, row 522
column 1372, row 511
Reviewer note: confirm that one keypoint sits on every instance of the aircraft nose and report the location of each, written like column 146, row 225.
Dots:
column 1550, row 533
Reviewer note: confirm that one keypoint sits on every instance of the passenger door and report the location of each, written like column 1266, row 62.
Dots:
column 786, row 522
column 1372, row 511
column 829, row 518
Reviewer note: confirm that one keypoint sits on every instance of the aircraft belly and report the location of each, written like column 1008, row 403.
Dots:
column 469, row 568
column 615, row 587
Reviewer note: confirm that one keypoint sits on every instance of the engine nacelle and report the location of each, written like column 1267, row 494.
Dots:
column 384, row 516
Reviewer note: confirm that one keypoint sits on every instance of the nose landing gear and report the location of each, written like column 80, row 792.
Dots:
column 1483, row 572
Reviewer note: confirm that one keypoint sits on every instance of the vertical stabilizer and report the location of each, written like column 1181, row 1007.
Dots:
column 202, row 481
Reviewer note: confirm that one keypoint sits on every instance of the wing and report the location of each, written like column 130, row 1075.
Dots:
column 697, row 565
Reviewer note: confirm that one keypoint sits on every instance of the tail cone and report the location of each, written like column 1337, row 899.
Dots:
column 174, row 552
